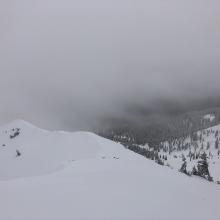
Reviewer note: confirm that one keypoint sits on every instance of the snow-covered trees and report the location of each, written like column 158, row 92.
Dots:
column 184, row 165
column 14, row 132
column 203, row 167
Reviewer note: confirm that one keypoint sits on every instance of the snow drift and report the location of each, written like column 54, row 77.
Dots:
column 61, row 175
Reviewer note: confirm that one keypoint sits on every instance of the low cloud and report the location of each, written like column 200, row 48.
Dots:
column 64, row 65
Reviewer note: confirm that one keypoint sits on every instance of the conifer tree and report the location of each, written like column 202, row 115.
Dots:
column 18, row 153
column 184, row 165
column 194, row 171
column 203, row 167
column 216, row 143
column 208, row 145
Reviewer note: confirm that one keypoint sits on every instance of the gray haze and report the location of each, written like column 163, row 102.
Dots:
column 63, row 64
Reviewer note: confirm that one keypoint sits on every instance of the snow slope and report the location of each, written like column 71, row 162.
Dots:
column 41, row 151
column 206, row 142
column 83, row 176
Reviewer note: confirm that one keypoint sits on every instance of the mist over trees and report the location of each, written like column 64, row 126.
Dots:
column 153, row 129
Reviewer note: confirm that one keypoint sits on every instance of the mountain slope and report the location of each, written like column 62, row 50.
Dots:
column 192, row 147
column 139, row 129
column 45, row 151
column 96, row 179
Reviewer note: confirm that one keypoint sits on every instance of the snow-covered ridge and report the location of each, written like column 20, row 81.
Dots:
column 26, row 150
column 80, row 175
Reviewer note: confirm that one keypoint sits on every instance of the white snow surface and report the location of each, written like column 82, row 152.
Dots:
column 210, row 117
column 80, row 175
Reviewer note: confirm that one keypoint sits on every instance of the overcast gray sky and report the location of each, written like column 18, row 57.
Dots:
column 62, row 63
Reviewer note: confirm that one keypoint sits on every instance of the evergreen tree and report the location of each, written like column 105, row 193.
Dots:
column 200, row 137
column 18, row 153
column 208, row 145
column 202, row 146
column 184, row 165
column 216, row 143
column 194, row 136
column 194, row 171
column 190, row 155
column 203, row 167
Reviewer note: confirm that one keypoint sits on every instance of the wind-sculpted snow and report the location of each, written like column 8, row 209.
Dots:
column 41, row 151
column 99, row 180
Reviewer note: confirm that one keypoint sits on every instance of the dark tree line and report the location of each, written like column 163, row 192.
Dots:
column 154, row 129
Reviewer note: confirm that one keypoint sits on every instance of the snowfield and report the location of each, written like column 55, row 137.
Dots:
column 61, row 175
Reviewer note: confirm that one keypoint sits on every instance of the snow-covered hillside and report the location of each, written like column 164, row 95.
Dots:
column 210, row 117
column 191, row 148
column 41, row 151
column 61, row 175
